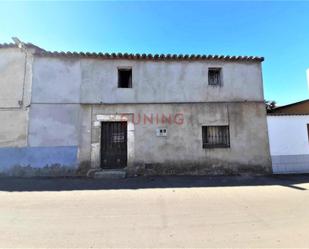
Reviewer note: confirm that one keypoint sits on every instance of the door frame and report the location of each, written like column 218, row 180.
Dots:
column 96, row 147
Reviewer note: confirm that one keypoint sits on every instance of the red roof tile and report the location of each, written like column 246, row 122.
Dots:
column 157, row 57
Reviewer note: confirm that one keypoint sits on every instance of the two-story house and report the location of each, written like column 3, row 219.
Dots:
column 66, row 113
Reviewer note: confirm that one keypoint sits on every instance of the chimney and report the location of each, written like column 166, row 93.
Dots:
column 18, row 42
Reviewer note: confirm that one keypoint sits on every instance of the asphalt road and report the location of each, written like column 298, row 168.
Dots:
column 155, row 212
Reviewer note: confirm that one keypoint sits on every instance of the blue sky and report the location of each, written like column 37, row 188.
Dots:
column 279, row 31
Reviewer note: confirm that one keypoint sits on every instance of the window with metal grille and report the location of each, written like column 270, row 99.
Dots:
column 125, row 78
column 216, row 136
column 214, row 76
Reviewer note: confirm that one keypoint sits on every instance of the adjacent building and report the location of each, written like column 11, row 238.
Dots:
column 289, row 138
column 65, row 113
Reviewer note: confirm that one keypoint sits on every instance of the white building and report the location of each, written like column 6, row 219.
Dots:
column 288, row 128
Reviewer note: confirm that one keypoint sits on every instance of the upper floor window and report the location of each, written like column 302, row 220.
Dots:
column 214, row 77
column 216, row 136
column 125, row 77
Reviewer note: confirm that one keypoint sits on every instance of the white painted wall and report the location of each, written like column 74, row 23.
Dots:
column 12, row 71
column 289, row 145
column 15, row 95
column 13, row 128
column 54, row 125
column 288, row 135
column 56, row 81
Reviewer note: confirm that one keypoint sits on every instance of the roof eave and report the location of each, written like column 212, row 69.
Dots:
column 158, row 57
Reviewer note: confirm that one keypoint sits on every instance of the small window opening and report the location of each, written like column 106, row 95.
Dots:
column 125, row 78
column 214, row 76
column 215, row 136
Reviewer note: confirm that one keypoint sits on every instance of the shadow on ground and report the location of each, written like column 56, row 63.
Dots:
column 68, row 184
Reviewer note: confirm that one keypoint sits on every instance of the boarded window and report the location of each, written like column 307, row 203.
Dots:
column 216, row 136
column 214, row 76
column 125, row 78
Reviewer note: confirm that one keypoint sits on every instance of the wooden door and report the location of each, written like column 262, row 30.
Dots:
column 114, row 145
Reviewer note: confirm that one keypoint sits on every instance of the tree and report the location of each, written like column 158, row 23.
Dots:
column 270, row 105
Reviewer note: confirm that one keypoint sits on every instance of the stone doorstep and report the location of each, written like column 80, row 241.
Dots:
column 110, row 174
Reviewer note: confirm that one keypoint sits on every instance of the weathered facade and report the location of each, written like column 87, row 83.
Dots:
column 178, row 114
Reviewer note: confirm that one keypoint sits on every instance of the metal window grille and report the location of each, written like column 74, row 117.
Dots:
column 214, row 76
column 216, row 136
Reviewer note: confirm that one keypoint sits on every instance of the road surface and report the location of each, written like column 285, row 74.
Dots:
column 155, row 212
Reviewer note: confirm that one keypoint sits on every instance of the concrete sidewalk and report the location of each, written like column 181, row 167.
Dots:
column 155, row 212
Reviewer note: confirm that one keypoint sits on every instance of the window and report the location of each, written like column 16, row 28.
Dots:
column 125, row 78
column 308, row 131
column 214, row 76
column 215, row 136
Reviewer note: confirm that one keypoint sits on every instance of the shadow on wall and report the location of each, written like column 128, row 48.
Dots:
column 69, row 184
